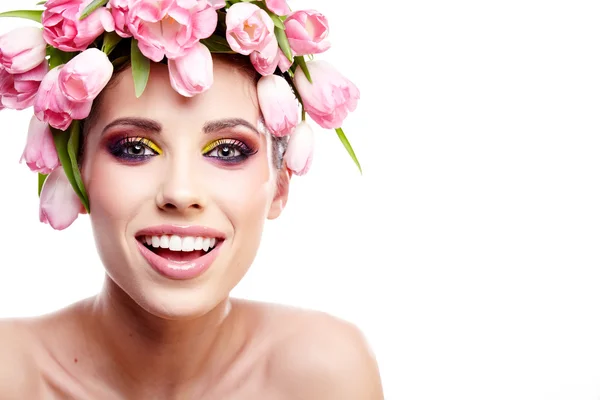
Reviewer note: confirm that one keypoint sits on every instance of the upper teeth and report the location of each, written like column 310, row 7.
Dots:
column 179, row 243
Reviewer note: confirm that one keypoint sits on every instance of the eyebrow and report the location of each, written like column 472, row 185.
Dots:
column 142, row 123
column 153, row 126
column 221, row 124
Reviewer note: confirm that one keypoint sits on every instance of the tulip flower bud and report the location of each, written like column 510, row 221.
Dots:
column 40, row 152
column 22, row 49
column 300, row 151
column 59, row 204
column 192, row 74
column 307, row 32
column 278, row 105
column 83, row 78
column 330, row 96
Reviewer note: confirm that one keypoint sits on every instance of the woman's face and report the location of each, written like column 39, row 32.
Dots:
column 179, row 189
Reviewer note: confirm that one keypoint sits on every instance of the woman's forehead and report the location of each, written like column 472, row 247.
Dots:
column 233, row 95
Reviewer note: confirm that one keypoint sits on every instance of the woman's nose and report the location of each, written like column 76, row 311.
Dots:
column 181, row 189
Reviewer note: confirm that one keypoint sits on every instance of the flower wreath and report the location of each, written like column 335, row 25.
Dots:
column 61, row 68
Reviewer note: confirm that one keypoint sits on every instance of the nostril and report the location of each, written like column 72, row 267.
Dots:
column 172, row 207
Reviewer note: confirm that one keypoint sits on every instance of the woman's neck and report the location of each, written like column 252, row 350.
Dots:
column 139, row 352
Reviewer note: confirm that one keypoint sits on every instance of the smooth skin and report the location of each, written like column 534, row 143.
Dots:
column 166, row 159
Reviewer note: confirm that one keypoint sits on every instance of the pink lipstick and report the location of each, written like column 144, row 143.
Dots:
column 180, row 252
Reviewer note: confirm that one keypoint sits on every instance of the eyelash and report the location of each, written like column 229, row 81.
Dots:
column 120, row 147
column 235, row 145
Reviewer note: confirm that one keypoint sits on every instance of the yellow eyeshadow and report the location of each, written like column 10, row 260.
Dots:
column 151, row 145
column 210, row 147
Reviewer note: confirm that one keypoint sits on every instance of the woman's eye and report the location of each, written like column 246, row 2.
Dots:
column 225, row 151
column 139, row 150
column 229, row 151
column 134, row 149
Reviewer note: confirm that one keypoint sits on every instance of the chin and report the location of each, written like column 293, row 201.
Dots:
column 171, row 303
column 179, row 304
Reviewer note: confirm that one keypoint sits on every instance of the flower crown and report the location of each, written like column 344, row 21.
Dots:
column 61, row 68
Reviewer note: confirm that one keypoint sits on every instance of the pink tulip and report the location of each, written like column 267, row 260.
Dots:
column 22, row 49
column 278, row 105
column 170, row 27
column 65, row 31
column 284, row 62
column 53, row 107
column 82, row 79
column 299, row 154
column 330, row 97
column 278, row 7
column 120, row 12
column 40, row 152
column 59, row 204
column 18, row 91
column 249, row 28
column 265, row 62
column 307, row 32
column 192, row 74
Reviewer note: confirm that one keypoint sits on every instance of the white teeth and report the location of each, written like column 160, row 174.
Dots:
column 178, row 243
column 175, row 243
column 188, row 243
column 164, row 242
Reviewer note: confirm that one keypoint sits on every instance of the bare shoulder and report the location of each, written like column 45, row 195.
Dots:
column 19, row 376
column 319, row 356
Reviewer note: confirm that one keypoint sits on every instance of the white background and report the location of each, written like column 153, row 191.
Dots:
column 468, row 250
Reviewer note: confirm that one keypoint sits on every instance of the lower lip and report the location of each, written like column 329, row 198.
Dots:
column 179, row 270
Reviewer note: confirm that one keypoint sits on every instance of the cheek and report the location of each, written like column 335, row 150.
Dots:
column 244, row 196
column 116, row 192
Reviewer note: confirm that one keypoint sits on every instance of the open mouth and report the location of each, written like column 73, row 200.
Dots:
column 179, row 248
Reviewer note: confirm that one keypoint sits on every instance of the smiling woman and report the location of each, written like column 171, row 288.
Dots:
column 179, row 162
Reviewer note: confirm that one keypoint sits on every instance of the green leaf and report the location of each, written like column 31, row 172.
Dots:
column 140, row 66
column 58, row 57
column 217, row 44
column 41, row 180
column 63, row 142
column 284, row 44
column 40, row 3
column 302, row 63
column 110, row 41
column 73, row 150
column 348, row 147
column 93, row 6
column 277, row 21
column 34, row 15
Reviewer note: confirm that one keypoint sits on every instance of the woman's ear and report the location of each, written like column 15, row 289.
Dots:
column 281, row 193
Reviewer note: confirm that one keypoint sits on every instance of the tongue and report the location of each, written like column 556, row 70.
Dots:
column 179, row 256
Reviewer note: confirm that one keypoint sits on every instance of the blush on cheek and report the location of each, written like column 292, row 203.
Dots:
column 118, row 191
